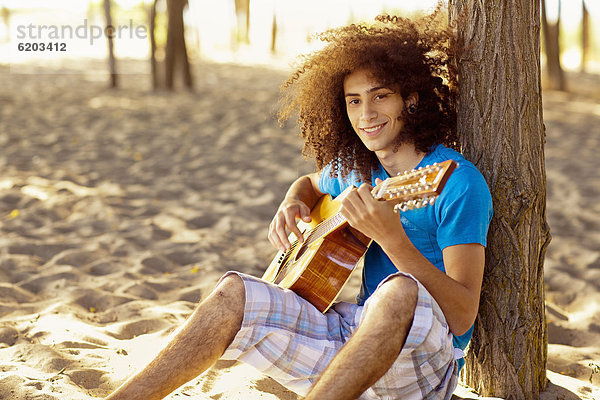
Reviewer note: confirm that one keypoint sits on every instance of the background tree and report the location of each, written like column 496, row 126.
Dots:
column 585, row 35
column 6, row 21
column 551, row 31
column 501, row 130
column 110, row 32
column 274, row 33
column 242, row 12
column 152, row 37
column 176, row 49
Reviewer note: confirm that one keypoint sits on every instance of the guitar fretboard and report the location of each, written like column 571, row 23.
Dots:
column 324, row 227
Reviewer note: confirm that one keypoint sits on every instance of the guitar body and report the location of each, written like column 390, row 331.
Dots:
column 318, row 269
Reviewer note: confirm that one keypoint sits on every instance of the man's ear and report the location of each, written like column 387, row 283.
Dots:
column 412, row 99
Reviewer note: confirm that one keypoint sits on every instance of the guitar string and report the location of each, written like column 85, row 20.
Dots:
column 338, row 218
column 321, row 227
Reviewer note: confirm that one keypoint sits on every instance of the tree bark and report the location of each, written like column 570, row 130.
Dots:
column 153, row 62
column 585, row 35
column 502, row 132
column 176, row 48
column 551, row 31
column 110, row 31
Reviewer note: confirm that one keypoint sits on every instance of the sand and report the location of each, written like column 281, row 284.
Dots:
column 120, row 209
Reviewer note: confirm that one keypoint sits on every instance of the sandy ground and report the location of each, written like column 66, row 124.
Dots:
column 120, row 209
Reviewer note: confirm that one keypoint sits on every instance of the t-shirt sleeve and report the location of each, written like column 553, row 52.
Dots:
column 329, row 185
column 464, row 209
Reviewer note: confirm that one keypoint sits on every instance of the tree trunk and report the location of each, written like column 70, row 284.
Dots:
column 274, row 34
column 6, row 20
column 551, row 30
column 110, row 32
column 176, row 49
column 242, row 12
column 501, row 130
column 153, row 63
column 585, row 36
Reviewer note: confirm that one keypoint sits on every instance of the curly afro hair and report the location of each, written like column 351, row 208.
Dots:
column 404, row 55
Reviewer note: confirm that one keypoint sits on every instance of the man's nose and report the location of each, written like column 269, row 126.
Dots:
column 367, row 112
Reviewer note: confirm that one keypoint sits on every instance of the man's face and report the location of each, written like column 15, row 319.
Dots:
column 373, row 110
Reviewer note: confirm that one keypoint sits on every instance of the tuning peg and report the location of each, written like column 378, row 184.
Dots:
column 400, row 207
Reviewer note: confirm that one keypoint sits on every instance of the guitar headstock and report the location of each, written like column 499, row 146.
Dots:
column 416, row 188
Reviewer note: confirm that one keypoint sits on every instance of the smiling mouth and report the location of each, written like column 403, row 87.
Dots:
column 373, row 129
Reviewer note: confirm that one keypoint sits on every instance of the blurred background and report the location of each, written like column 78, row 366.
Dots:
column 139, row 163
column 269, row 32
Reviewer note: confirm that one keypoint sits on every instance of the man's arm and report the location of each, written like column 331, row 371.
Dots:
column 299, row 200
column 457, row 291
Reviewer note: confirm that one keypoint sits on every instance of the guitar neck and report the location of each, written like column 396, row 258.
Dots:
column 411, row 189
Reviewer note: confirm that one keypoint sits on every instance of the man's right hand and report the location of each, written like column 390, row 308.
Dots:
column 286, row 215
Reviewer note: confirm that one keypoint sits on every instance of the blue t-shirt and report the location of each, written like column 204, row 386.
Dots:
column 460, row 215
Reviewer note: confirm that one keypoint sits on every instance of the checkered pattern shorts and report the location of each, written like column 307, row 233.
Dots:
column 288, row 339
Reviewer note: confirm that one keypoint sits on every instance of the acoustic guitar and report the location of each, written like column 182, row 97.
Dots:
column 318, row 268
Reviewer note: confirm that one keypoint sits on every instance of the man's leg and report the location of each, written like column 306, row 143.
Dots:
column 196, row 347
column 374, row 346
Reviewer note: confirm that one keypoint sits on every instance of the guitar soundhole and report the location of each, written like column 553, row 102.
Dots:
column 301, row 251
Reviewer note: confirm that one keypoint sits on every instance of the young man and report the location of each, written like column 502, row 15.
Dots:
column 376, row 101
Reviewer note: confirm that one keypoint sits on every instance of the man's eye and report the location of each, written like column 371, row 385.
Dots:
column 353, row 101
column 381, row 96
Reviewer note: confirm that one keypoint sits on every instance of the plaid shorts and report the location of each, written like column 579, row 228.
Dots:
column 288, row 339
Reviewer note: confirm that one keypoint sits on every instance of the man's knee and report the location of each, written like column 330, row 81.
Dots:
column 398, row 295
column 231, row 290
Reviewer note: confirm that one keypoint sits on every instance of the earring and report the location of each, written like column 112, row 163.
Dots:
column 412, row 109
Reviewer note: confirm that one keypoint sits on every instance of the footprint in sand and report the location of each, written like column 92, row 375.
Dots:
column 38, row 284
column 95, row 301
column 141, row 291
column 8, row 336
column 102, row 267
column 87, row 378
column 137, row 328
column 156, row 264
column 13, row 294
column 192, row 295
column 43, row 251
column 78, row 258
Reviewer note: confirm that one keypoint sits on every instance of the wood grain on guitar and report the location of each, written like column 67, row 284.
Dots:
column 319, row 268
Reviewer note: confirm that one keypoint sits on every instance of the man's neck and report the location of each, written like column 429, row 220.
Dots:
column 406, row 158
